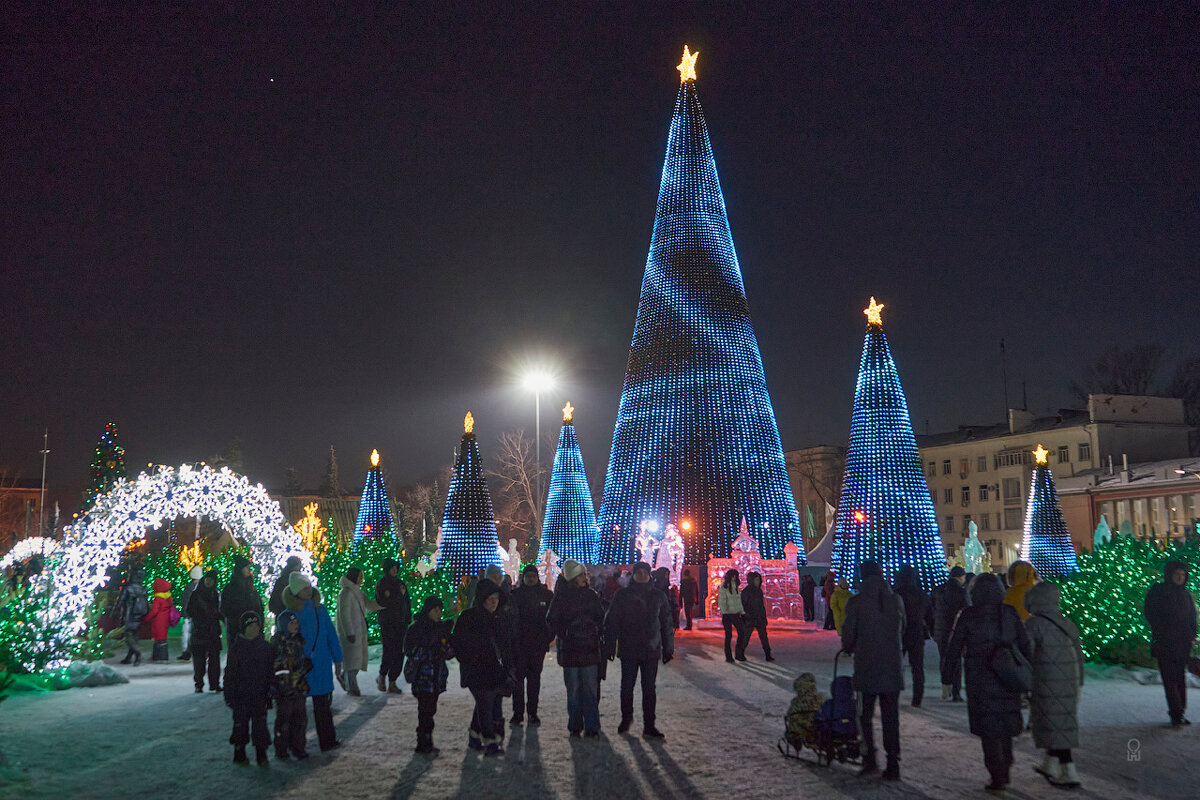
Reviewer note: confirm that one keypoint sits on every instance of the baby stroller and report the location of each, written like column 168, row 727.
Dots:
column 834, row 733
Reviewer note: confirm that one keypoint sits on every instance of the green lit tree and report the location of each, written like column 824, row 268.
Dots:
column 108, row 465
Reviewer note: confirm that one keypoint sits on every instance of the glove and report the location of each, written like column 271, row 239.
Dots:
column 667, row 656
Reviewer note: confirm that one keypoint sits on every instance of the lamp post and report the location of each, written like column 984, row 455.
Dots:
column 45, row 451
column 538, row 381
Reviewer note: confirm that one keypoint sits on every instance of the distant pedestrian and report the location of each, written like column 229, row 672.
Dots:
column 1021, row 577
column 322, row 647
column 755, row 607
column 576, row 617
column 427, row 646
column 162, row 609
column 808, row 590
column 275, row 603
column 351, row 624
column 249, row 675
column 1171, row 614
column 133, row 607
column 391, row 594
column 638, row 630
column 204, row 608
column 485, row 659
column 291, row 686
column 240, row 595
column 828, row 587
column 918, row 622
column 873, row 631
column 949, row 599
column 531, row 641
column 837, row 603
column 993, row 709
column 185, row 629
column 661, row 578
column 689, row 595
column 1057, row 678
column 733, row 615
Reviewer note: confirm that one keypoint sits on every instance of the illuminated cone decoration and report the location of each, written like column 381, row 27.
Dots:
column 886, row 513
column 1047, row 543
column 374, row 510
column 569, row 525
column 469, row 540
column 696, row 444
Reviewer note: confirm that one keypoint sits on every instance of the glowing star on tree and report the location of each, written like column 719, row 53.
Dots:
column 1040, row 455
column 568, row 412
column 687, row 67
column 469, row 423
column 874, row 312
column 374, row 458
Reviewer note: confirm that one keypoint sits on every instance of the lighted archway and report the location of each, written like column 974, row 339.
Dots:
column 95, row 541
column 27, row 548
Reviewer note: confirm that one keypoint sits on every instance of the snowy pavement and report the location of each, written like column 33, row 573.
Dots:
column 721, row 722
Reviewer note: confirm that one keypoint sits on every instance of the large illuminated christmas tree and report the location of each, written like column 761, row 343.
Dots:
column 1047, row 544
column 696, row 444
column 569, row 526
column 886, row 513
column 374, row 510
column 108, row 465
column 469, row 540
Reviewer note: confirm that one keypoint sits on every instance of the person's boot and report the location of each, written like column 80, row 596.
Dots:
column 892, row 772
column 651, row 732
column 393, row 688
column 918, row 694
column 517, row 719
column 1067, row 777
column 769, row 656
column 945, row 691
column 261, row 756
column 1048, row 768
column 869, row 766
column 533, row 719
column 474, row 741
column 137, row 659
column 239, row 755
column 626, row 722
column 184, row 656
column 128, row 658
column 494, row 748
column 380, row 683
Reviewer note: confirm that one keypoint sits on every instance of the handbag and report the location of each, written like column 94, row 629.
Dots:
column 510, row 679
column 1009, row 664
column 176, row 615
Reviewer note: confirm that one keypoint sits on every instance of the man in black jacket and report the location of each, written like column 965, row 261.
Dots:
column 530, row 603
column 689, row 593
column 394, row 619
column 575, row 616
column 755, row 607
column 638, row 629
column 949, row 599
column 1171, row 612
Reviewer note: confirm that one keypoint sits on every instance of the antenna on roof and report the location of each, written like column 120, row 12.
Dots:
column 1004, row 374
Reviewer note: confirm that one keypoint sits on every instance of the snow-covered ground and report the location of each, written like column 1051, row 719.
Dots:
column 154, row 736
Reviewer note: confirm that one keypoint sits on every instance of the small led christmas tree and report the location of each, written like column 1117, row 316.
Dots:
column 569, row 527
column 1047, row 544
column 108, row 465
column 469, row 539
column 374, row 510
column 886, row 513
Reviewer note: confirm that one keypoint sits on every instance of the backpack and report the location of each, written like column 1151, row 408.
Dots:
column 838, row 712
column 140, row 607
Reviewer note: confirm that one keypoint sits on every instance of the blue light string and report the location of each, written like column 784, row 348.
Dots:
column 569, row 525
column 1047, row 543
column 469, row 539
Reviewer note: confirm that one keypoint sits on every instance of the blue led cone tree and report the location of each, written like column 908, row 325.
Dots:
column 569, row 525
column 374, row 510
column 469, row 540
column 696, row 440
column 885, row 513
column 1047, row 544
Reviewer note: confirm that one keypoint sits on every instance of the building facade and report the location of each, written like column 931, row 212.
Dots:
column 1155, row 500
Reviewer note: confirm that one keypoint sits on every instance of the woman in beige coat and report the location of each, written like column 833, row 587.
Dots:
column 1057, row 676
column 351, row 624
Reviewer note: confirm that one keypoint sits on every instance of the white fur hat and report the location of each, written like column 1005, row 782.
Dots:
column 297, row 581
column 572, row 569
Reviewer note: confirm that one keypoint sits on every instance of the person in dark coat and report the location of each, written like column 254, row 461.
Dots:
column 240, row 595
column 291, row 687
column 661, row 578
column 275, row 604
column 689, row 595
column 756, row 612
column 531, row 640
column 1171, row 613
column 249, row 676
column 949, row 599
column 808, row 590
column 394, row 619
column 134, row 608
column 993, row 709
column 918, row 622
column 427, row 646
column 185, row 631
column 576, row 618
column 484, row 654
column 638, row 630
column 828, row 587
column 873, row 631
column 204, row 607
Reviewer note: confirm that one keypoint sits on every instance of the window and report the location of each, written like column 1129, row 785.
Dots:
column 949, row 524
column 966, row 522
column 981, row 464
column 948, row 496
column 962, row 467
column 931, row 468
column 983, row 492
column 1012, row 489
column 966, row 495
column 1064, row 454
column 946, row 467
column 1012, row 519
column 1085, row 451
column 1013, row 458
column 985, row 522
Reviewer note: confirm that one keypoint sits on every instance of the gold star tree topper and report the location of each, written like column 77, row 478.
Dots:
column 874, row 313
column 568, row 412
column 687, row 67
column 469, row 424
column 374, row 458
column 1040, row 455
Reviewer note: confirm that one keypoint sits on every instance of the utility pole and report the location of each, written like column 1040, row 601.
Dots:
column 45, row 451
column 1004, row 374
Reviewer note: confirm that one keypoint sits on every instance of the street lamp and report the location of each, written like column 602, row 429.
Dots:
column 538, row 380
column 45, row 451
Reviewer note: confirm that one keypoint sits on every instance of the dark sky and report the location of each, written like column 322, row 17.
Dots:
column 307, row 228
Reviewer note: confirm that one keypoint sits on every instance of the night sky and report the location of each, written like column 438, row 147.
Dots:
column 305, row 228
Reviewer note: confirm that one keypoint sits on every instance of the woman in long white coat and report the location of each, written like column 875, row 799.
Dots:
column 351, row 624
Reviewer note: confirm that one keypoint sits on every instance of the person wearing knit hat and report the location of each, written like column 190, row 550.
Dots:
column 1171, row 614
column 204, row 610
column 484, row 653
column 275, row 603
column 576, row 616
column 291, row 686
column 322, row 647
column 572, row 569
column 948, row 599
column 531, row 640
column 240, row 595
column 638, row 630
column 392, row 594
column 185, row 630
column 249, row 675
